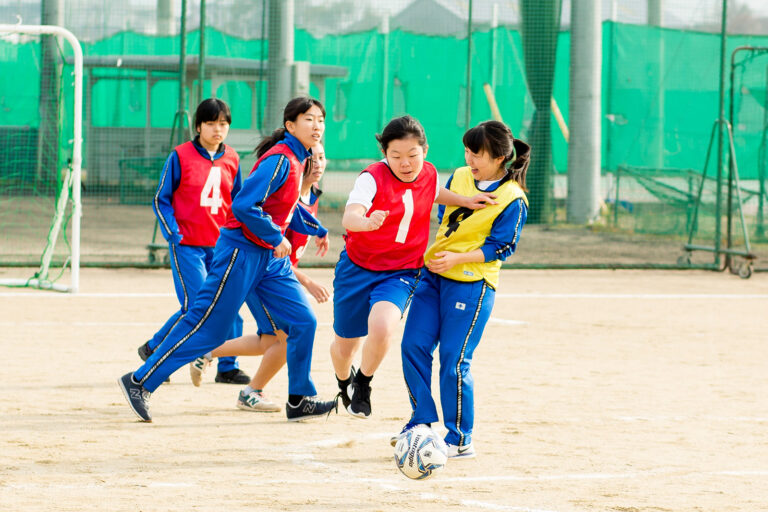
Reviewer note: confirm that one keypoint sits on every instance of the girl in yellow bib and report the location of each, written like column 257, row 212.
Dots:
column 453, row 302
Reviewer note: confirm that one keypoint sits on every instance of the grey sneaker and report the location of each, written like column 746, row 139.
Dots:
column 257, row 402
column 309, row 407
column 136, row 395
column 197, row 369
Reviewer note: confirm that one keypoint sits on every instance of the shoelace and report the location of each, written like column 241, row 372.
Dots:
column 335, row 408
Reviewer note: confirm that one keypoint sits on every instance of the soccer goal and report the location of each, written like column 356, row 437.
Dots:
column 40, row 155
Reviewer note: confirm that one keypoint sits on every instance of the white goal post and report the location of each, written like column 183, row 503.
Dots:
column 74, row 178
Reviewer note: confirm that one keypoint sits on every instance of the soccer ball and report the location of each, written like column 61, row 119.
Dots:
column 419, row 452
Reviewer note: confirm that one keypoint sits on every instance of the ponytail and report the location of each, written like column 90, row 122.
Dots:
column 519, row 160
column 495, row 138
column 269, row 141
column 291, row 112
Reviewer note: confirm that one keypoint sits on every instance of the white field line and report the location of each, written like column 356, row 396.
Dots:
column 249, row 325
column 532, row 295
column 36, row 323
column 640, row 296
column 48, row 295
column 301, row 454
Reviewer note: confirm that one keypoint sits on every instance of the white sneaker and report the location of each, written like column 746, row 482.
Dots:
column 466, row 451
column 257, row 402
column 197, row 369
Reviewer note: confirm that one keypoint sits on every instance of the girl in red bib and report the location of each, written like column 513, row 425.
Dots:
column 387, row 221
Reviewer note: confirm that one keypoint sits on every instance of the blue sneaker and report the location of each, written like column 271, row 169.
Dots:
column 309, row 407
column 408, row 426
column 136, row 395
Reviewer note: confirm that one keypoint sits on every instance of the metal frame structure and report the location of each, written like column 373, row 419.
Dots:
column 742, row 268
column 40, row 280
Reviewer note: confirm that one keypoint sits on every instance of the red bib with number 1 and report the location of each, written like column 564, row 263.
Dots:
column 401, row 241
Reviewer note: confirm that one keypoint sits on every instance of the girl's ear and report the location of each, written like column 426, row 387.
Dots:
column 426, row 148
column 290, row 127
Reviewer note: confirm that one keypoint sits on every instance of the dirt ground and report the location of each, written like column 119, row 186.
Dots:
column 595, row 391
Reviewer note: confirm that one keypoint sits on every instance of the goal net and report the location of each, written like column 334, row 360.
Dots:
column 40, row 161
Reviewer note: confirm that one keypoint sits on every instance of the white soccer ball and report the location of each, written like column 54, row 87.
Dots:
column 420, row 452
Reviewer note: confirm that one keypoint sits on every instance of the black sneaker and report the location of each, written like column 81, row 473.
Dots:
column 137, row 396
column 145, row 351
column 236, row 376
column 309, row 407
column 359, row 399
column 343, row 385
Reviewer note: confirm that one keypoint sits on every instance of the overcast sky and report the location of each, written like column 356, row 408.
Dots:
column 758, row 6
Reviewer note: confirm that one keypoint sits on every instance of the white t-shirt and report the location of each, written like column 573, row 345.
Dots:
column 484, row 185
column 364, row 190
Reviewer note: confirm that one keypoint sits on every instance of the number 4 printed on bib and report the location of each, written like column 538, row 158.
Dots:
column 211, row 194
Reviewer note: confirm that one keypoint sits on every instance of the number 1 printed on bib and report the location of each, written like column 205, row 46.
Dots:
column 405, row 222
column 211, row 194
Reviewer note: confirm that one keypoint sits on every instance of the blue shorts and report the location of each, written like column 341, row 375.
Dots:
column 356, row 290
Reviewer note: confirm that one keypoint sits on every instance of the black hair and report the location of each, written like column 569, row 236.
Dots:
column 309, row 165
column 291, row 112
column 402, row 128
column 210, row 110
column 495, row 138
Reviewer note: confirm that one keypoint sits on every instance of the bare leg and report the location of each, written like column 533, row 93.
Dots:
column 272, row 361
column 248, row 345
column 382, row 323
column 343, row 350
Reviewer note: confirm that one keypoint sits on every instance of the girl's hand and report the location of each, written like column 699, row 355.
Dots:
column 443, row 261
column 322, row 246
column 318, row 291
column 479, row 201
column 376, row 219
column 283, row 249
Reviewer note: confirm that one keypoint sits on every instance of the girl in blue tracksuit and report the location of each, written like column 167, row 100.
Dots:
column 454, row 299
column 201, row 171
column 250, row 263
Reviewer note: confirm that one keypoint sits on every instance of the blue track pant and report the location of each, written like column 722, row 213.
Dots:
column 451, row 315
column 234, row 275
column 190, row 266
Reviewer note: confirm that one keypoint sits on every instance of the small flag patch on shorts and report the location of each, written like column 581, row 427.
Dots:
column 468, row 273
column 461, row 306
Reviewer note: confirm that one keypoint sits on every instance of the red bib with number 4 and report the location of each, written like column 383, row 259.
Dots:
column 203, row 200
column 401, row 241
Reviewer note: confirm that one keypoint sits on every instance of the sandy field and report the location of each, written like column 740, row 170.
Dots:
column 595, row 391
